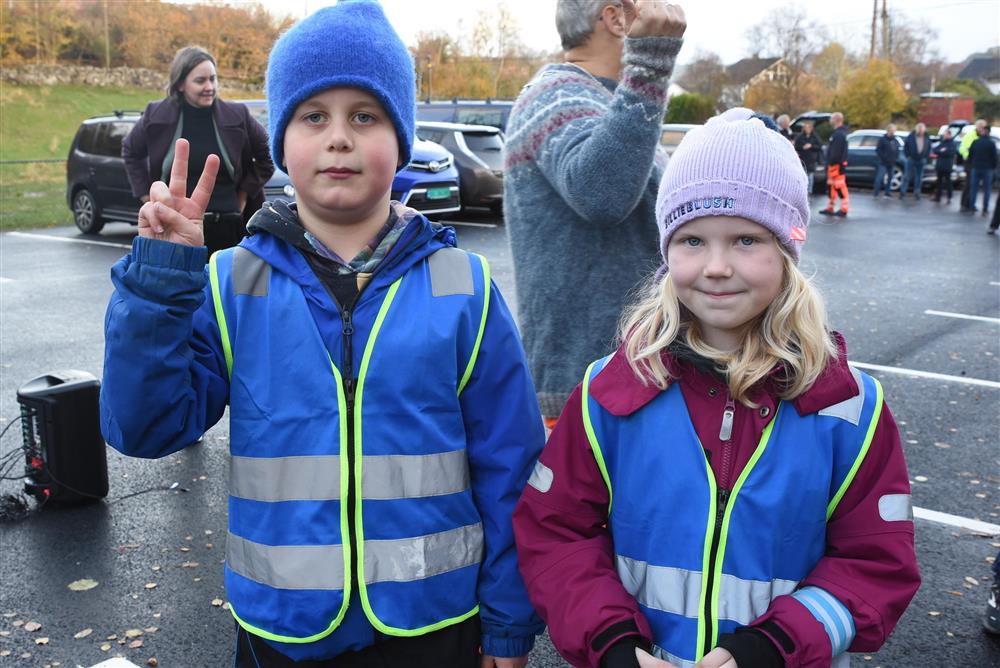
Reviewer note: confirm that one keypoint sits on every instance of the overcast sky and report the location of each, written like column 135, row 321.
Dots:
column 713, row 25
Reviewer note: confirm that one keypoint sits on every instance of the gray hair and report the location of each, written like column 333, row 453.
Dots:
column 575, row 20
column 185, row 60
column 785, row 118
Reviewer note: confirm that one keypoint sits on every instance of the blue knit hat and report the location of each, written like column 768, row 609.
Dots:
column 349, row 44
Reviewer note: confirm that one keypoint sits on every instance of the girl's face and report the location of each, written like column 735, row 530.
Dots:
column 200, row 85
column 726, row 271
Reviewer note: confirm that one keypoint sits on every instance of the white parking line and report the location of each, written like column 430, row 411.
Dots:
column 49, row 237
column 997, row 283
column 455, row 222
column 956, row 521
column 5, row 280
column 963, row 316
column 927, row 374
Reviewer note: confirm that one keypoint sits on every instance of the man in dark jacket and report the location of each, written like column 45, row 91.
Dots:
column 944, row 155
column 810, row 149
column 836, row 164
column 983, row 162
column 887, row 152
column 917, row 149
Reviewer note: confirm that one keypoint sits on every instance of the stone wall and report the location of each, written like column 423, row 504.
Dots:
column 117, row 77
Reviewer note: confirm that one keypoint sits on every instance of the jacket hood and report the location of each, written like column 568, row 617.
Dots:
column 620, row 392
column 277, row 238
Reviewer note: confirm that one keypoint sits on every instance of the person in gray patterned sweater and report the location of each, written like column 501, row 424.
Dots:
column 582, row 165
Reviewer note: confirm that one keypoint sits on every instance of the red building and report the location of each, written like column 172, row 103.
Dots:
column 937, row 109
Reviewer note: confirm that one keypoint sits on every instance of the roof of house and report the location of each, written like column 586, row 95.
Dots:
column 982, row 66
column 744, row 70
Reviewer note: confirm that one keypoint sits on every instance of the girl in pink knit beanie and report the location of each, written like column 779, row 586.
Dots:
column 725, row 490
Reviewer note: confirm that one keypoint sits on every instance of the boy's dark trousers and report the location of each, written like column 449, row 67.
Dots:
column 455, row 646
column 943, row 181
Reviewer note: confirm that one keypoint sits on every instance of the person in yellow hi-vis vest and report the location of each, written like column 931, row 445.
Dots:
column 963, row 150
column 836, row 164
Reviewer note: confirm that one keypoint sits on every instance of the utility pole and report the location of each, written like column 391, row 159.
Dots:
column 871, row 51
column 886, row 47
column 107, row 39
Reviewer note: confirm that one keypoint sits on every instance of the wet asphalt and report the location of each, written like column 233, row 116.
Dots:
column 156, row 556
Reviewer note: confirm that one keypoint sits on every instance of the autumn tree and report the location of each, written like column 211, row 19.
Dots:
column 871, row 94
column 789, row 33
column 705, row 75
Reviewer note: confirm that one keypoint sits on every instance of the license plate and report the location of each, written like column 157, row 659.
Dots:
column 438, row 193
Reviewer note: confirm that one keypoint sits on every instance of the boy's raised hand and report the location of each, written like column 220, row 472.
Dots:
column 647, row 660
column 654, row 18
column 170, row 215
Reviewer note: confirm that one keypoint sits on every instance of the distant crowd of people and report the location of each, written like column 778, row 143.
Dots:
column 976, row 150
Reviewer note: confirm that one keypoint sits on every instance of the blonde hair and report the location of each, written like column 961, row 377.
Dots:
column 791, row 332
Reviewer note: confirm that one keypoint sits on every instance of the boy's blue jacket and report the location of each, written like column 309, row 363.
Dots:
column 167, row 380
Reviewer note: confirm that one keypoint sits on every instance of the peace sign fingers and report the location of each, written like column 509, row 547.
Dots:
column 179, row 170
column 206, row 183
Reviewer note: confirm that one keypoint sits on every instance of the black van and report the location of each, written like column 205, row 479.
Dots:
column 467, row 112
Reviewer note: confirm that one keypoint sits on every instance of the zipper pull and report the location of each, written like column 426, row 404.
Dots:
column 720, row 507
column 348, row 325
column 726, row 432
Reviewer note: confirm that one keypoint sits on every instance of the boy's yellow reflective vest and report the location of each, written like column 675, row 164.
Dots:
column 725, row 563
column 371, row 456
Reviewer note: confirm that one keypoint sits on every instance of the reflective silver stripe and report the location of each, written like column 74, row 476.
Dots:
column 743, row 601
column 451, row 273
column 673, row 590
column 409, row 559
column 410, row 476
column 661, row 653
column 678, row 591
column 314, row 478
column 895, row 507
column 541, row 478
column 251, row 275
column 287, row 566
column 849, row 410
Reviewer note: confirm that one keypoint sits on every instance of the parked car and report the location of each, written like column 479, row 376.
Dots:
column 862, row 160
column 671, row 135
column 478, row 151
column 470, row 112
column 97, row 187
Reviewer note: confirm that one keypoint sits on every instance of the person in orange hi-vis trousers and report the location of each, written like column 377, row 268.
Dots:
column 836, row 161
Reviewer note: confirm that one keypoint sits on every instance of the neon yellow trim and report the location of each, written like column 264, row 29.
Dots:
column 592, row 436
column 765, row 438
column 220, row 314
column 706, row 555
column 482, row 323
column 342, row 407
column 876, row 414
column 359, row 525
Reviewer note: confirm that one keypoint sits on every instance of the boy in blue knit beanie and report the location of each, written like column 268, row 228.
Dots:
column 382, row 418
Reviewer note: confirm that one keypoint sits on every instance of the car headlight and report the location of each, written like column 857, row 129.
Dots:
column 289, row 190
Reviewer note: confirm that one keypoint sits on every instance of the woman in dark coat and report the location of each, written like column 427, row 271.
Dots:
column 193, row 110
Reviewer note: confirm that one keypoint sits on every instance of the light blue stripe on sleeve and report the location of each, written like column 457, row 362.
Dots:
column 832, row 614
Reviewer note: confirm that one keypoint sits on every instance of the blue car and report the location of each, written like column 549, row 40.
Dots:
column 428, row 184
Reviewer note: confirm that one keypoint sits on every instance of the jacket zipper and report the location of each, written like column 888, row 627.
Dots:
column 721, row 501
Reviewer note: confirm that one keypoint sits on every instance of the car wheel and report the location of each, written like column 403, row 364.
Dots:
column 896, row 181
column 85, row 213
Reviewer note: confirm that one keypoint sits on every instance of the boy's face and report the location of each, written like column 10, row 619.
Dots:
column 341, row 154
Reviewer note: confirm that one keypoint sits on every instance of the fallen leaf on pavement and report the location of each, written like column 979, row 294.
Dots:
column 150, row 585
column 135, row 644
column 82, row 585
column 41, row 641
column 133, row 633
column 151, row 629
column 34, row 626
column 971, row 580
column 105, row 647
column 217, row 602
column 152, row 661
column 934, row 613
column 83, row 634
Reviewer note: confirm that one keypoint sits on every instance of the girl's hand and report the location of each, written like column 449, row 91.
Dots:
column 654, row 18
column 647, row 660
column 717, row 658
column 170, row 215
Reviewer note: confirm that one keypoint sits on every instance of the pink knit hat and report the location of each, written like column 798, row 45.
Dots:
column 735, row 166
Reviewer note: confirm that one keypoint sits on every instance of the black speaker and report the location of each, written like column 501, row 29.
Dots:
column 65, row 459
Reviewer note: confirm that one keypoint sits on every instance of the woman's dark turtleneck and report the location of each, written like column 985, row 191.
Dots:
column 200, row 133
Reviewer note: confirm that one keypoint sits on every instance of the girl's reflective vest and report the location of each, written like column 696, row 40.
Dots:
column 332, row 488
column 701, row 561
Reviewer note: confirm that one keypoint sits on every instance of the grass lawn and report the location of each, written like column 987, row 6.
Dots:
column 39, row 123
